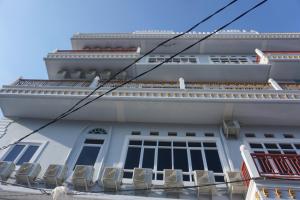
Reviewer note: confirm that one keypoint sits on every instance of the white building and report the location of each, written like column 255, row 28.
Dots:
column 234, row 115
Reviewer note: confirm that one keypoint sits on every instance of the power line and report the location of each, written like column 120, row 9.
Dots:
column 127, row 67
column 136, row 77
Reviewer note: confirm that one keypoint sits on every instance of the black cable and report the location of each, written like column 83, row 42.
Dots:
column 136, row 77
column 167, row 60
column 148, row 53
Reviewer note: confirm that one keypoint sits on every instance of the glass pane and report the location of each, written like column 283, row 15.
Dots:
column 164, row 143
column 149, row 143
column 180, row 159
column 213, row 160
column 179, row 144
column 148, row 159
column 29, row 152
column 133, row 157
column 297, row 146
column 274, row 152
column 92, row 141
column 164, row 159
column 290, row 152
column 256, row 146
column 271, row 146
column 194, row 144
column 133, row 142
column 11, row 156
column 197, row 160
column 186, row 177
column 209, row 144
column 286, row 146
column 88, row 156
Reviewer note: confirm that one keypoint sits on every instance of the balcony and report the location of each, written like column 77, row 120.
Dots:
column 285, row 64
column 159, row 100
column 98, row 59
column 144, row 84
column 274, row 176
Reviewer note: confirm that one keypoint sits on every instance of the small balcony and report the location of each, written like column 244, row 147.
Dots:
column 274, row 176
column 144, row 85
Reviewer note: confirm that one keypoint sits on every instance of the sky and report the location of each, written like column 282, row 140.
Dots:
column 32, row 28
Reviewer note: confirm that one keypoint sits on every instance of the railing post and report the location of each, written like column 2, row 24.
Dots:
column 249, row 162
column 274, row 84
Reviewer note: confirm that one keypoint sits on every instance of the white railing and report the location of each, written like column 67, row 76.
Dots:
column 273, row 96
column 145, row 84
column 51, row 83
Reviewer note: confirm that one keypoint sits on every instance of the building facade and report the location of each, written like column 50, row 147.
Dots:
column 227, row 110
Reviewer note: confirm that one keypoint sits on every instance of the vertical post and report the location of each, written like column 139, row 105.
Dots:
column 95, row 82
column 181, row 84
column 249, row 162
column 274, row 84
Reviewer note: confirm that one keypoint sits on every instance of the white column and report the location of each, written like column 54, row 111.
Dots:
column 249, row 162
column 263, row 58
column 274, row 84
column 95, row 82
column 181, row 84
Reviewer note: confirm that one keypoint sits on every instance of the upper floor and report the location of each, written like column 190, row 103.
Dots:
column 226, row 56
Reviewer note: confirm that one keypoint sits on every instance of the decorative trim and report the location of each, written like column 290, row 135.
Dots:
column 80, row 36
column 92, row 56
column 161, row 94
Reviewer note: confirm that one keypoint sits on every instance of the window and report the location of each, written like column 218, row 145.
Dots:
column 226, row 59
column 190, row 134
column 98, row 131
column 154, row 133
column 186, row 155
column 89, row 152
column 275, row 148
column 21, row 152
column 268, row 135
column 209, row 134
column 135, row 133
column 288, row 136
column 172, row 134
column 178, row 59
column 250, row 135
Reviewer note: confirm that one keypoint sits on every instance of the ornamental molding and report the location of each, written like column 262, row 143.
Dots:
column 92, row 55
column 188, row 36
column 255, row 96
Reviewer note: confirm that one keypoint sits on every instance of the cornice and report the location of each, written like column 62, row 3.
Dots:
column 62, row 55
column 187, row 36
column 244, row 96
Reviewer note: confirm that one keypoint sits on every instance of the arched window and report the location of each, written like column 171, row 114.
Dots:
column 91, row 145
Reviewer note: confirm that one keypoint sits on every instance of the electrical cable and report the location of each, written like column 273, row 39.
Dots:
column 134, row 62
column 136, row 77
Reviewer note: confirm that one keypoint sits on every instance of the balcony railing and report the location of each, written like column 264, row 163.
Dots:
column 145, row 84
column 280, row 55
column 104, row 50
column 277, row 165
column 290, row 86
column 51, row 83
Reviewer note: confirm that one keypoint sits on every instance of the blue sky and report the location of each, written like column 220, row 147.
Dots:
column 32, row 28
